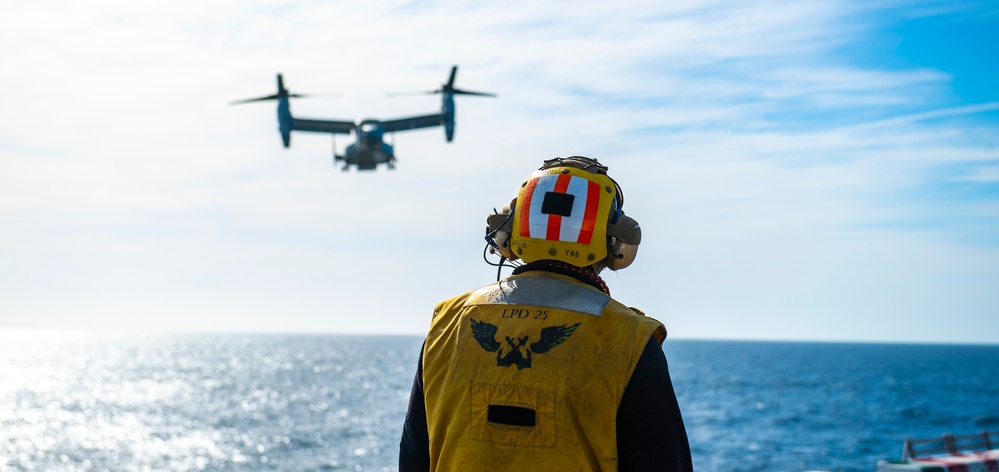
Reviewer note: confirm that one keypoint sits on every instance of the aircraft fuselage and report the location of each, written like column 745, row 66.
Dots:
column 370, row 148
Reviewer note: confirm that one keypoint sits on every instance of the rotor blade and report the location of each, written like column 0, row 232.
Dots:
column 290, row 95
column 468, row 92
column 313, row 95
column 258, row 99
column 450, row 79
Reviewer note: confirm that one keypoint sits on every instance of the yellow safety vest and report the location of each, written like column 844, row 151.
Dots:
column 528, row 373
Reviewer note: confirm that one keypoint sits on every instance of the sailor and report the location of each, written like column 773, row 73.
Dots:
column 543, row 370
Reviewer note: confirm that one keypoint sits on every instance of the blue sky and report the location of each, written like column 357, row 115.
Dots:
column 818, row 170
column 955, row 39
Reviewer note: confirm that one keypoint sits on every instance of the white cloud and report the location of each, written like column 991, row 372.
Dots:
column 927, row 115
column 984, row 174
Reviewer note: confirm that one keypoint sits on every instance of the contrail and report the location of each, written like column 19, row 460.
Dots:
column 965, row 110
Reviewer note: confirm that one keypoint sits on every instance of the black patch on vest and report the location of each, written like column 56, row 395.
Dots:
column 557, row 204
column 512, row 415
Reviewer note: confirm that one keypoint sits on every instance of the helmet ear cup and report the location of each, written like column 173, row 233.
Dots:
column 500, row 226
column 623, row 238
column 501, row 239
column 622, row 255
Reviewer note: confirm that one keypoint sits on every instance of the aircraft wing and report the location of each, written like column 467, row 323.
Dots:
column 416, row 122
column 322, row 126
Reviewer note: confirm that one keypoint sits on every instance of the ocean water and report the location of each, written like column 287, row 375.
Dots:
column 751, row 406
column 304, row 403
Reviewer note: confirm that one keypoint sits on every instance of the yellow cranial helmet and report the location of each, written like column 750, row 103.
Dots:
column 562, row 212
column 568, row 210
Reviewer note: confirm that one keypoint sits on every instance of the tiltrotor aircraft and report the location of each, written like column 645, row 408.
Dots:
column 370, row 149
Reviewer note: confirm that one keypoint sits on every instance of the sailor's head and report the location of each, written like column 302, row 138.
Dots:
column 568, row 210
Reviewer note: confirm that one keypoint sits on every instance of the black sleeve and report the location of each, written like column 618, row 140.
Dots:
column 414, row 450
column 650, row 432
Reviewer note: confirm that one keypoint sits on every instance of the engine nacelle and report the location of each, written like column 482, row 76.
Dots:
column 449, row 130
column 447, row 115
column 285, row 121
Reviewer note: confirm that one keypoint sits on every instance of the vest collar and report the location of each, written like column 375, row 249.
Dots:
column 584, row 275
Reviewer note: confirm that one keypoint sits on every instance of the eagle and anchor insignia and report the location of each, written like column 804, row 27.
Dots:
column 485, row 334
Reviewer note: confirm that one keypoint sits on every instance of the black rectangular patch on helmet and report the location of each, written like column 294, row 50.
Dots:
column 512, row 415
column 557, row 203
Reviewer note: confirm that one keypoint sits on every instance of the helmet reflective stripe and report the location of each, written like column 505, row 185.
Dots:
column 546, row 192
